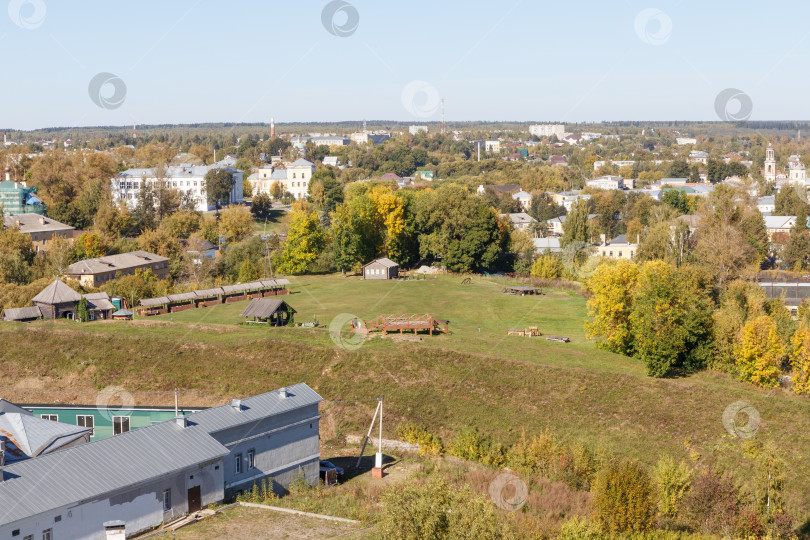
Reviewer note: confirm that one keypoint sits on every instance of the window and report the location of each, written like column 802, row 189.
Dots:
column 251, row 459
column 86, row 420
column 167, row 500
column 51, row 417
column 15, row 532
column 237, row 461
column 47, row 534
column 120, row 424
column 28, row 537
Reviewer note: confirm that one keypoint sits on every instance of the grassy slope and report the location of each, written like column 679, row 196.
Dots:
column 467, row 378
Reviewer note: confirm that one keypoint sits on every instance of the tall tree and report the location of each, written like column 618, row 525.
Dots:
column 305, row 241
column 218, row 186
column 576, row 227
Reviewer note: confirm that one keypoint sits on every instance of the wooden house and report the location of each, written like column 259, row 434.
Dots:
column 383, row 268
column 272, row 311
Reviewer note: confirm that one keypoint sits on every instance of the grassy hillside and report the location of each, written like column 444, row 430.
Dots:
column 470, row 377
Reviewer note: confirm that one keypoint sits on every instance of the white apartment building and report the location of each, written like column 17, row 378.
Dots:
column 492, row 146
column 414, row 130
column 187, row 178
column 606, row 182
column 547, row 130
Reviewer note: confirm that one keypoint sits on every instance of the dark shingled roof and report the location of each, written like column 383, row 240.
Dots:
column 265, row 307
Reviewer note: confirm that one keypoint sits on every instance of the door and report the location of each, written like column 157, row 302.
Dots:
column 194, row 500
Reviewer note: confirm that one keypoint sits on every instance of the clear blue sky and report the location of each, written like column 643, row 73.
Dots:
column 189, row 61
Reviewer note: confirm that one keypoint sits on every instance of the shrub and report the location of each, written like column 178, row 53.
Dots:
column 429, row 444
column 712, row 504
column 673, row 480
column 411, row 511
column 624, row 500
column 472, row 445
column 578, row 528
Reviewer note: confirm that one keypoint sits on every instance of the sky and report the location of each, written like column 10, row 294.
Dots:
column 91, row 63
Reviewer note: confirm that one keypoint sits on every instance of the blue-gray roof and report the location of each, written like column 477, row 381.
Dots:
column 27, row 436
column 98, row 468
column 255, row 408
column 180, row 171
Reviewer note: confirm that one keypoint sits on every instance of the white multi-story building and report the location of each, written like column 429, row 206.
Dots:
column 293, row 179
column 684, row 141
column 797, row 173
column 606, row 182
column 188, row 179
column 492, row 146
column 414, row 130
column 547, row 130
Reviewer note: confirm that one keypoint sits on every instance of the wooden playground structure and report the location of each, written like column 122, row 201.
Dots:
column 531, row 331
column 400, row 323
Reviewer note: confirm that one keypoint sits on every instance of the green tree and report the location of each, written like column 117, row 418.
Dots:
column 671, row 320
column 673, row 481
column 82, row 312
column 236, row 223
column 576, row 227
column 305, row 241
column 261, row 206
column 182, row 223
column 218, row 186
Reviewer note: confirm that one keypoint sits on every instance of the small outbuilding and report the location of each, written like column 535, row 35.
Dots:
column 23, row 314
column 122, row 315
column 270, row 311
column 383, row 268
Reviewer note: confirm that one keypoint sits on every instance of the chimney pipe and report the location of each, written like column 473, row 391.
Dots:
column 236, row 404
column 282, row 393
column 181, row 421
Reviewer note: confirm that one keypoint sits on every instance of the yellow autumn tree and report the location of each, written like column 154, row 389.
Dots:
column 759, row 352
column 388, row 209
column 800, row 360
column 611, row 304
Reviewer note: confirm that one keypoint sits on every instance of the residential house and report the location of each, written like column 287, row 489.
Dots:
column 383, row 268
column 697, row 156
column 57, row 301
column 39, row 228
column 524, row 198
column 503, row 188
column 567, row 199
column 520, row 221
column 766, row 205
column 779, row 224
column 94, row 272
column 618, row 248
column 549, row 244
column 299, row 173
column 558, row 161
column 606, row 182
column 331, row 161
column 187, row 178
column 572, row 139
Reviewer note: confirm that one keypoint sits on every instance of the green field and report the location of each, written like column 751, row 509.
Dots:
column 476, row 376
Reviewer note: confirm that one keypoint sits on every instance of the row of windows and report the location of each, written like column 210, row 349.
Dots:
column 375, row 272
column 47, row 534
column 171, row 183
column 120, row 423
column 111, row 275
column 251, row 461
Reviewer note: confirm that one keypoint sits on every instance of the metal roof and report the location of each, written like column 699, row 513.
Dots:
column 182, row 297
column 27, row 436
column 22, row 313
column 264, row 307
column 385, row 261
column 57, row 293
column 34, row 223
column 114, row 263
column 91, row 470
column 7, row 406
column 159, row 301
column 253, row 409
column 207, row 293
column 100, row 304
column 97, row 296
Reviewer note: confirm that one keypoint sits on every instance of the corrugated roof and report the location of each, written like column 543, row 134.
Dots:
column 92, row 470
column 57, row 293
column 115, row 263
column 22, row 313
column 239, row 287
column 182, row 297
column 254, row 408
column 159, row 301
column 34, row 223
column 264, row 307
column 97, row 296
column 100, row 304
column 208, row 293
column 7, row 406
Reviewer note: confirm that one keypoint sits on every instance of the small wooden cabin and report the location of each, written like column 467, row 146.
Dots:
column 272, row 311
column 383, row 268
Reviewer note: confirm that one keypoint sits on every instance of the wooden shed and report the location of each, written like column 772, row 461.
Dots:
column 272, row 311
column 383, row 268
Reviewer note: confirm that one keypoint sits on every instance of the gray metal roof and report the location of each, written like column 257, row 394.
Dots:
column 239, row 287
column 208, row 293
column 22, row 313
column 92, row 470
column 182, row 297
column 34, row 223
column 57, row 293
column 115, row 263
column 159, row 301
column 97, row 296
column 264, row 307
column 100, row 304
column 254, row 408
column 27, row 436
column 7, row 406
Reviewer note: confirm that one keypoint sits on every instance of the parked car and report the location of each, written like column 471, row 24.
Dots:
column 329, row 465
